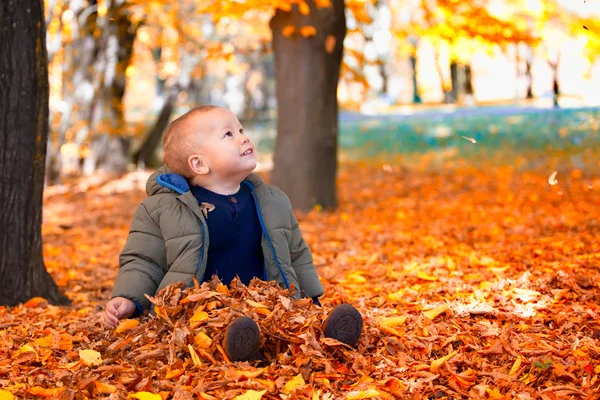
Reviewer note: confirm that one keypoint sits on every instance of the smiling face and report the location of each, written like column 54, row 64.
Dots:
column 223, row 149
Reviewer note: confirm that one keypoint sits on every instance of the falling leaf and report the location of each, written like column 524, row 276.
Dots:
column 145, row 396
column 295, row 383
column 104, row 388
column 330, row 42
column 431, row 314
column 126, row 325
column 289, row 30
column 6, row 395
column 470, row 139
column 250, row 395
column 552, row 179
column 363, row 394
column 308, row 31
column 90, row 357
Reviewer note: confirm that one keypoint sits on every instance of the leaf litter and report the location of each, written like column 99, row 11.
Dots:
column 459, row 301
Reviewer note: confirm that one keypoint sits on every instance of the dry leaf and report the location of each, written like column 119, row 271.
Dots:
column 90, row 357
column 295, row 383
column 126, row 325
column 470, row 139
column 202, row 340
column 431, row 314
column 363, row 394
column 426, row 277
column 206, row 208
column 199, row 316
column 145, row 396
column 251, row 395
column 436, row 364
column 6, row 395
column 104, row 388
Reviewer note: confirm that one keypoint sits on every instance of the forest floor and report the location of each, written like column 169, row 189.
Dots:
column 473, row 282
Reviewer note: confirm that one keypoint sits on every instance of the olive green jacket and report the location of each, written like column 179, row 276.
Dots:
column 168, row 241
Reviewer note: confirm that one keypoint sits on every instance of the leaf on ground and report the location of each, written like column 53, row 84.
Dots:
column 431, row 314
column 297, row 382
column 126, row 325
column 90, row 357
column 6, row 395
column 145, row 396
column 363, row 394
column 251, row 395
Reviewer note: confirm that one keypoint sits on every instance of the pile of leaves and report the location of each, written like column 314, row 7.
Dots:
column 473, row 284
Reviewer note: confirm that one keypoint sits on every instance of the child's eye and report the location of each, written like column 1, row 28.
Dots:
column 228, row 134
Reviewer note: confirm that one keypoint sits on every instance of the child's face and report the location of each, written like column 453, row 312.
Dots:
column 224, row 149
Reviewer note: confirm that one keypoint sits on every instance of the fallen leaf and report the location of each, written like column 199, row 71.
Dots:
column 104, row 388
column 431, row 314
column 426, row 277
column 206, row 208
column 199, row 316
column 251, row 395
column 295, row 383
column 126, row 325
column 6, row 395
column 363, row 394
column 145, row 396
column 436, row 364
column 90, row 357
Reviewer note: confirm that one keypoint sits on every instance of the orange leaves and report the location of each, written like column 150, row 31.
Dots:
column 431, row 314
column 6, row 395
column 126, row 325
column 293, row 384
column 90, row 357
column 58, row 342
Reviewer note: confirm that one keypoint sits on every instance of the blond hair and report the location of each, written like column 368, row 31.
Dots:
column 180, row 143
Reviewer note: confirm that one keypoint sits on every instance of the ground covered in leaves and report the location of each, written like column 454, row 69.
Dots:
column 474, row 283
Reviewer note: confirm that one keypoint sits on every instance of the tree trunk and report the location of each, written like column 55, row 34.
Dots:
column 455, row 91
column 307, row 72
column 24, row 112
column 144, row 154
column 413, row 66
column 529, row 80
column 468, row 80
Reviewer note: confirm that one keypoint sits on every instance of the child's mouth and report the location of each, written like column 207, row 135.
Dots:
column 249, row 151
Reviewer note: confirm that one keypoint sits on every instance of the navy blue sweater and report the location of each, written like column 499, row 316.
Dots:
column 235, row 235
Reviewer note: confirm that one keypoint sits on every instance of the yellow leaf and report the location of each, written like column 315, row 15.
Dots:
column 126, row 325
column 515, row 367
column 304, row 8
column 104, row 388
column 202, row 340
column 222, row 289
column 45, row 392
column 363, row 394
column 251, row 395
column 194, row 355
column 255, row 304
column 294, row 383
column 394, row 321
column 436, row 364
column 425, row 277
column 597, row 369
column 356, row 277
column 90, row 357
column 145, row 396
column 199, row 316
column 6, row 395
column 431, row 314
column 289, row 30
column 308, row 31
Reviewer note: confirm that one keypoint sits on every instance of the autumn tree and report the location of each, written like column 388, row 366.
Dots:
column 307, row 39
column 24, row 97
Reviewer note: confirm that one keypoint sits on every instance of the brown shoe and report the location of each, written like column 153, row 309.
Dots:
column 344, row 324
column 242, row 339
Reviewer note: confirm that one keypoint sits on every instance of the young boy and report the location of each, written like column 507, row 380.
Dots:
column 206, row 214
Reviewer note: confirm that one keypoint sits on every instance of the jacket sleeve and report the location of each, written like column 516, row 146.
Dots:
column 302, row 262
column 142, row 263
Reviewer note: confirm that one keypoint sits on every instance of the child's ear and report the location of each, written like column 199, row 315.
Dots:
column 197, row 165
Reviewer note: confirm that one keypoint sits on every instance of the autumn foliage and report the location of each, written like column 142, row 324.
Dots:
column 474, row 283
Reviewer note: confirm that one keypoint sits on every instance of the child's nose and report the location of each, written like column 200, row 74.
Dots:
column 245, row 139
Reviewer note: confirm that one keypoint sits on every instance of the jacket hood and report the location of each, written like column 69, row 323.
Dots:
column 165, row 181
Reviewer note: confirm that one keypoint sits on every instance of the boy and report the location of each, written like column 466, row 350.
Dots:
column 206, row 214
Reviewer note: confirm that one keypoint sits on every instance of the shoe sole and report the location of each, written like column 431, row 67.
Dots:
column 242, row 339
column 344, row 324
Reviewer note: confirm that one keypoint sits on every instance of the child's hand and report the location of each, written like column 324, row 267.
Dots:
column 116, row 309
